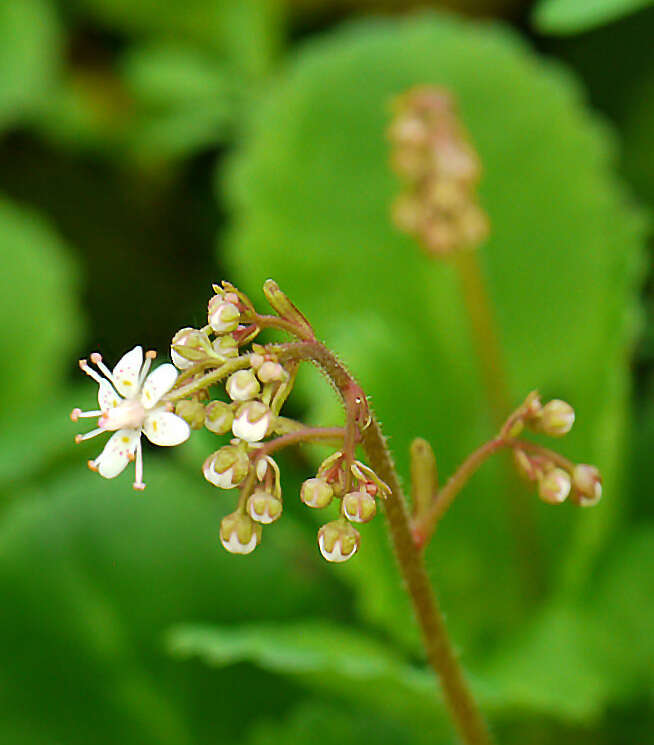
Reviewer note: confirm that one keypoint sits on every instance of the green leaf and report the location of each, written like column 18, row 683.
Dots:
column 29, row 57
column 91, row 574
column 575, row 16
column 340, row 661
column 39, row 309
column 246, row 32
column 311, row 192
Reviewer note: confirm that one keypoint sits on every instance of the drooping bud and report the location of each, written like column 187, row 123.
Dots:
column 239, row 534
column 587, row 483
column 359, row 506
column 187, row 347
column 242, row 385
column 556, row 418
column 264, row 507
column 554, row 487
column 191, row 412
column 316, row 493
column 223, row 316
column 369, row 480
column 218, row 417
column 252, row 421
column 338, row 541
column 227, row 467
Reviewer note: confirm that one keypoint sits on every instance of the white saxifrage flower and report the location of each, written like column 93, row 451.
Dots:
column 129, row 401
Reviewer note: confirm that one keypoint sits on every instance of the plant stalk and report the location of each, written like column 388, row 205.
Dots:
column 438, row 647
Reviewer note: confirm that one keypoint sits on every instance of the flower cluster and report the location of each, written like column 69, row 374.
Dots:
column 433, row 156
column 557, row 479
column 256, row 385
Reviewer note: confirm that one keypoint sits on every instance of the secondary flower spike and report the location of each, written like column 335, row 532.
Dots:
column 130, row 404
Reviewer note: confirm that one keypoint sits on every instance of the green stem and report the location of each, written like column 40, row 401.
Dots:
column 209, row 379
column 486, row 340
column 305, row 434
column 438, row 647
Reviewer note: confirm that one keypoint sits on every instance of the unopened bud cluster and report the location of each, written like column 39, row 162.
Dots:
column 556, row 478
column 256, row 385
column 356, row 486
column 432, row 154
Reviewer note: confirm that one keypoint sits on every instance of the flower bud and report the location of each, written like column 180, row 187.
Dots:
column 218, row 417
column 587, row 483
column 196, row 341
column 223, row 316
column 252, row 421
column 225, row 346
column 270, row 372
column 239, row 534
column 227, row 467
column 191, row 412
column 554, row 487
column 264, row 507
column 331, row 471
column 316, row 493
column 338, row 541
column 242, row 385
column 556, row 418
column 359, row 506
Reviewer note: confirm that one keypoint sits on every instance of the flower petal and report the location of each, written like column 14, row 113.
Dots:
column 126, row 373
column 165, row 428
column 157, row 384
column 107, row 396
column 117, row 453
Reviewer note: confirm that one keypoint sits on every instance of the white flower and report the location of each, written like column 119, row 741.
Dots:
column 129, row 405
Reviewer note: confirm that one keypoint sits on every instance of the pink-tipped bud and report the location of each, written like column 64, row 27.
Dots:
column 587, row 483
column 338, row 541
column 316, row 493
column 223, row 316
column 218, row 417
column 554, row 487
column 239, row 534
column 264, row 507
column 270, row 372
column 242, row 385
column 359, row 506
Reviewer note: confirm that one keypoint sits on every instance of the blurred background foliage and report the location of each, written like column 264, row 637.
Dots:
column 151, row 148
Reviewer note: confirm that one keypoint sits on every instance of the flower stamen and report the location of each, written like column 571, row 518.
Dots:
column 88, row 435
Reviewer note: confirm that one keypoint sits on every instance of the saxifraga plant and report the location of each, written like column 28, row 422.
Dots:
column 167, row 404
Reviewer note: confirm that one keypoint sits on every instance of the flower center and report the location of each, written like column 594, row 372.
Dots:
column 129, row 414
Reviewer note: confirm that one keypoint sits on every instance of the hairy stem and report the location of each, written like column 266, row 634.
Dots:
column 440, row 653
column 305, row 434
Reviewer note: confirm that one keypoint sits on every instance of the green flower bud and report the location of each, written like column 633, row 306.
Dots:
column 239, row 534
column 188, row 346
column 554, row 487
column 225, row 347
column 223, row 315
column 242, row 385
column 227, row 467
column 587, row 483
column 359, row 506
column 191, row 412
column 316, row 493
column 218, row 417
column 264, row 507
column 556, row 418
column 338, row 541
column 252, row 421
